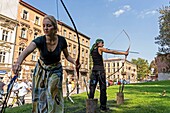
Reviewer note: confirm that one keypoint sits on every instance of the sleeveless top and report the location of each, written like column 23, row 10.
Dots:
column 97, row 60
column 50, row 57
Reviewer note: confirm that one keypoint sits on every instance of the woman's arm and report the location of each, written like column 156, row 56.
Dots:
column 17, row 66
column 68, row 57
column 101, row 49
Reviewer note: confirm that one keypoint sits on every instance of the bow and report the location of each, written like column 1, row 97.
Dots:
column 9, row 89
column 125, row 55
column 78, row 57
column 68, row 94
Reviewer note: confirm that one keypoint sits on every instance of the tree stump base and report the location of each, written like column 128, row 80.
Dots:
column 91, row 105
column 120, row 98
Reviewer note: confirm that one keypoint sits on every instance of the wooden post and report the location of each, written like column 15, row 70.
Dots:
column 91, row 105
column 120, row 98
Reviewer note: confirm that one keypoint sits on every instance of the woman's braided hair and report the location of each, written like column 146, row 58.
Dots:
column 95, row 44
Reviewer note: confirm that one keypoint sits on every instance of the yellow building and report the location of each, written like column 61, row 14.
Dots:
column 115, row 71
column 72, row 41
column 30, row 26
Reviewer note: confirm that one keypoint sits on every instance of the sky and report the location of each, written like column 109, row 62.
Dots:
column 107, row 19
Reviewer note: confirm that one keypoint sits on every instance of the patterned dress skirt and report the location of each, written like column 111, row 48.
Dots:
column 47, row 96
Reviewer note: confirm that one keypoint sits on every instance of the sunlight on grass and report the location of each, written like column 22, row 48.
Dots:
column 139, row 98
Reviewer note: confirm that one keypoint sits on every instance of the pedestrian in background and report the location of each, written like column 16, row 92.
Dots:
column 2, row 84
column 23, row 89
column 47, row 95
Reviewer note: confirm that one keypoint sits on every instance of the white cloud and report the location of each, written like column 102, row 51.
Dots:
column 124, row 9
column 118, row 13
column 127, row 7
column 143, row 14
column 111, row 0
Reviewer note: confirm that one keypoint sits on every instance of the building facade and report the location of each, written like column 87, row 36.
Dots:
column 30, row 26
column 72, row 41
column 8, row 29
column 116, row 71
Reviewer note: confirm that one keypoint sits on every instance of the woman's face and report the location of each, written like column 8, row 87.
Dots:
column 101, row 44
column 48, row 27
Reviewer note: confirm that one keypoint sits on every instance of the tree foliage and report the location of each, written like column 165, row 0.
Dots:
column 163, row 39
column 142, row 68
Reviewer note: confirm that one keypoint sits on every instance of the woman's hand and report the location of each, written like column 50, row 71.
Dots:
column 16, row 68
column 126, row 53
column 78, row 66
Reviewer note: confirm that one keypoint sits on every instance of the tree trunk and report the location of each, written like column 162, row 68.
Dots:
column 120, row 98
column 91, row 105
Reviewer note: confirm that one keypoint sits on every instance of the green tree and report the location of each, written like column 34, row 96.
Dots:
column 163, row 39
column 142, row 68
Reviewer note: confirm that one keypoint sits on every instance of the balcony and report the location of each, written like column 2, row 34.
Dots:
column 123, row 72
column 68, row 68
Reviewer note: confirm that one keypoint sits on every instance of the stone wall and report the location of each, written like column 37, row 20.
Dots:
column 163, row 65
column 163, row 76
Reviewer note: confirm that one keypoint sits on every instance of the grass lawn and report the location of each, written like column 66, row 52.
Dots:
column 139, row 98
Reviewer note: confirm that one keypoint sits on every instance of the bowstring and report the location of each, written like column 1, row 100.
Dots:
column 121, row 58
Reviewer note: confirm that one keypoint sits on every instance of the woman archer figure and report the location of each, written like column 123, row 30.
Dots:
column 98, row 71
column 47, row 95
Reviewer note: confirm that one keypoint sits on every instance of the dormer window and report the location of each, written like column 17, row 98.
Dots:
column 25, row 15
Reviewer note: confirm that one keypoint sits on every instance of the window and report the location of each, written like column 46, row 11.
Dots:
column 64, row 33
column 69, row 48
column 2, row 57
column 117, row 64
column 86, row 63
column 113, row 64
column 74, row 50
column 37, row 20
column 87, row 53
column 108, row 70
column 34, row 54
column 32, row 72
column 4, row 35
column 82, row 41
column 86, row 43
column 21, row 49
column 35, row 35
column 69, row 36
column 75, row 37
column 82, row 52
column 23, row 33
column 25, row 15
column 20, row 75
column 108, row 64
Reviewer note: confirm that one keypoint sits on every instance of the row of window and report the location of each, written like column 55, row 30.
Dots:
column 24, row 33
column 74, row 37
column 114, row 64
column 34, row 53
column 25, row 16
column 84, row 53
